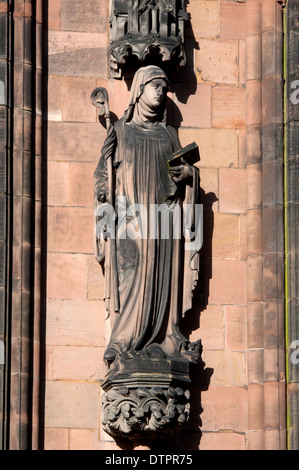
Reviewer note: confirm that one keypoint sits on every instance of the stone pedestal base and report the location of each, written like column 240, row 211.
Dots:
column 146, row 397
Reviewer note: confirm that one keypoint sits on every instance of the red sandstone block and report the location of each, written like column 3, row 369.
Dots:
column 243, row 236
column 3, row 6
column 224, row 408
column 254, row 186
column 39, row 11
column 23, row 8
column 273, row 439
column 77, row 54
column 71, row 229
column 76, row 363
column 253, row 145
column 66, row 276
column 81, row 184
column 274, row 323
column 256, row 407
column 218, row 147
column 56, row 439
column 222, row 441
column 95, row 280
column 255, row 366
column 210, row 329
column 204, row 18
column 54, row 21
column 254, row 16
column 236, row 327
column 209, row 183
column 217, row 61
column 228, row 367
column 254, row 232
column 54, row 99
column 197, row 111
column 118, row 95
column 256, row 440
column 229, row 107
column 255, row 325
column 84, row 15
column 254, row 102
column 272, row 100
column 58, row 183
column 76, row 103
column 72, row 405
column 255, row 278
column 272, row 404
column 271, row 13
column 242, row 148
column 226, row 236
column 272, row 369
column 75, row 323
column 228, row 284
column 242, row 62
column 232, row 20
column 85, row 439
column 254, row 57
column 70, row 141
column 38, row 130
column 232, row 190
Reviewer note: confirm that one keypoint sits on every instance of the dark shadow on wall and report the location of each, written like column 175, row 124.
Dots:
column 185, row 83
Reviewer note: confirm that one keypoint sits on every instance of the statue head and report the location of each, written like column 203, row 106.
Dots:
column 148, row 93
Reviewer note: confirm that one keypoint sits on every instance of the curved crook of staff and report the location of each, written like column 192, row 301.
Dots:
column 100, row 100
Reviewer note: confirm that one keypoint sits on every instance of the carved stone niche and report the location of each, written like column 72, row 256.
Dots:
column 148, row 31
column 146, row 397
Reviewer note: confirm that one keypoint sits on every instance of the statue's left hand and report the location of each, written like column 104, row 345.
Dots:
column 181, row 172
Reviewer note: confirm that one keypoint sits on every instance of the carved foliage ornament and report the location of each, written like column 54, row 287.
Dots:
column 143, row 27
column 140, row 411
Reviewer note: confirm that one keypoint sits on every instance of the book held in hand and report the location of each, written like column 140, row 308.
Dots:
column 190, row 154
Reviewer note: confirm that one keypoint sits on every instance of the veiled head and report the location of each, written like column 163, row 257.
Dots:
column 149, row 88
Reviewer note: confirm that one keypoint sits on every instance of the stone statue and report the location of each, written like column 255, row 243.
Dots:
column 150, row 273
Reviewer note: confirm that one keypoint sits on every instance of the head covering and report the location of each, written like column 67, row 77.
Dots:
column 143, row 76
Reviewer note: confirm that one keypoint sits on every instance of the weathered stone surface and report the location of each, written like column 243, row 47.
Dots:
column 216, row 61
column 72, row 404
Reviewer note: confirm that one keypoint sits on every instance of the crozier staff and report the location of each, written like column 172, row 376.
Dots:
column 156, row 276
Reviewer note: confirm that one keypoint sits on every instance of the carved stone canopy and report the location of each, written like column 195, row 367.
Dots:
column 146, row 30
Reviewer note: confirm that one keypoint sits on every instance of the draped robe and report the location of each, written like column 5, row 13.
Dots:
column 156, row 276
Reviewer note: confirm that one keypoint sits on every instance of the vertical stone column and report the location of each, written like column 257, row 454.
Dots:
column 23, row 193
column 4, row 198
column 254, row 226
column 273, row 238
column 265, row 226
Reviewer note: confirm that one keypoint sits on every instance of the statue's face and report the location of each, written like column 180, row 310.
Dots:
column 154, row 92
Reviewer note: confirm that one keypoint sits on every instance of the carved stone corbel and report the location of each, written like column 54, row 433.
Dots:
column 146, row 397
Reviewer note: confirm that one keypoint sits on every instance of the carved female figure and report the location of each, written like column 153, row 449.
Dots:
column 155, row 275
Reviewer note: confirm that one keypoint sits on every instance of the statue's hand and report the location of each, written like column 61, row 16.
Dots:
column 181, row 172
